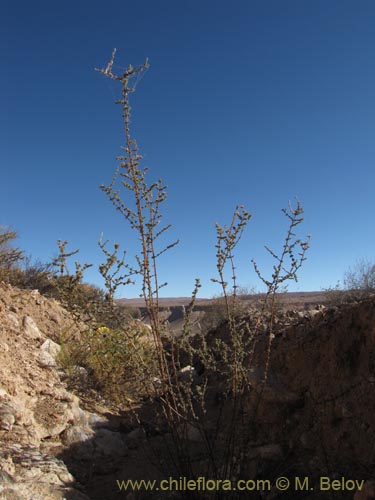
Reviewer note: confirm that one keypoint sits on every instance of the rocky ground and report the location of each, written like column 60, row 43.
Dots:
column 316, row 418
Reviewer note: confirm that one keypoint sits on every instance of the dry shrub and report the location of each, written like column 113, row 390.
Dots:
column 117, row 363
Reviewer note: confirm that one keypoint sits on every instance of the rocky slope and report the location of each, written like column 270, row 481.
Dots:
column 38, row 416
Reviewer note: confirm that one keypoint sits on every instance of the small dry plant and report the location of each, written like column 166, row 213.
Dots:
column 359, row 279
column 358, row 283
column 10, row 256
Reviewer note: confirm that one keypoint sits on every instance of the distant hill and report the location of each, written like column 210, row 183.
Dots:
column 163, row 302
column 291, row 299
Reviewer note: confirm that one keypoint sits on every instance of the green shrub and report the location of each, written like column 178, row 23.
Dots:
column 119, row 363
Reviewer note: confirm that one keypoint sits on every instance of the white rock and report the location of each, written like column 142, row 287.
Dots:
column 46, row 360
column 96, row 421
column 79, row 416
column 31, row 328
column 7, row 418
column 314, row 312
column 51, row 347
column 75, row 434
column 188, row 374
column 3, row 393
column 4, row 347
column 14, row 320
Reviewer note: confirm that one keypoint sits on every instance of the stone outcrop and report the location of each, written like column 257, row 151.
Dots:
column 35, row 407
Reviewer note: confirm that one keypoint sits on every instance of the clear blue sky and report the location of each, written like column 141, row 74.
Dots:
column 246, row 102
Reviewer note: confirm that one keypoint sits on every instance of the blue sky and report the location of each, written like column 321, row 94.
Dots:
column 245, row 102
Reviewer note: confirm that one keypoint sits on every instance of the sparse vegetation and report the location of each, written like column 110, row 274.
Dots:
column 10, row 256
column 358, row 283
column 205, row 388
column 335, row 295
column 360, row 278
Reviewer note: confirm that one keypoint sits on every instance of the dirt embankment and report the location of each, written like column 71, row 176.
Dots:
column 328, row 363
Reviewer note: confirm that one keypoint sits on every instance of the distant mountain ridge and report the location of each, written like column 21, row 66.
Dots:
column 163, row 301
column 292, row 298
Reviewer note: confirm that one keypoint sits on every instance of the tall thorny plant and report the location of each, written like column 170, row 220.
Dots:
column 145, row 217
